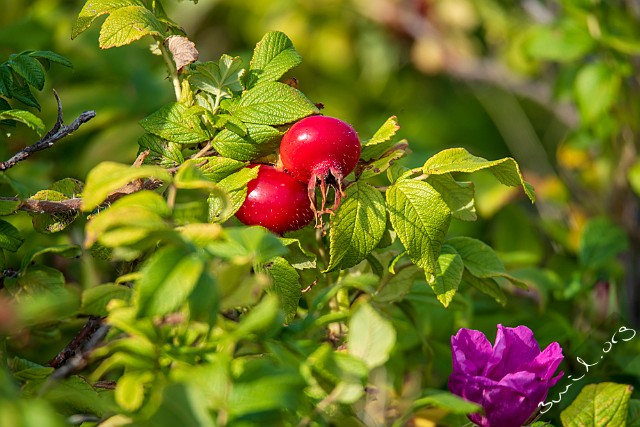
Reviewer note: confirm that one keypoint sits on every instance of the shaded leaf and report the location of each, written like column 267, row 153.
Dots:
column 220, row 79
column 286, row 284
column 30, row 69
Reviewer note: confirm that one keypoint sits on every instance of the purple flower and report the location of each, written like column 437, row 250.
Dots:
column 508, row 380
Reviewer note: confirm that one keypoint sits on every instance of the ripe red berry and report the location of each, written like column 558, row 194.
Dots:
column 276, row 201
column 320, row 148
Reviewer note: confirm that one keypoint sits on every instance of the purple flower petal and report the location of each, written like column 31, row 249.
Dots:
column 471, row 350
column 513, row 347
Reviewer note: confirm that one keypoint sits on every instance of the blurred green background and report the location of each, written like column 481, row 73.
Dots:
column 499, row 78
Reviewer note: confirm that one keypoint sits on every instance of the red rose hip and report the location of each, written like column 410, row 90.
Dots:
column 320, row 149
column 276, row 201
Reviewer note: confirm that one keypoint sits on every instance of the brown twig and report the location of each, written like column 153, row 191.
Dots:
column 57, row 132
column 76, row 344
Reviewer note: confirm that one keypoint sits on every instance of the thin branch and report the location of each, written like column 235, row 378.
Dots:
column 75, row 204
column 56, row 133
column 85, row 334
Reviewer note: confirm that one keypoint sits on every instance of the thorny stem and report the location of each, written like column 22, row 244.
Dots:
column 171, row 68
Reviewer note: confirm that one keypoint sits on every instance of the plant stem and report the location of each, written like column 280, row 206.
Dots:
column 171, row 68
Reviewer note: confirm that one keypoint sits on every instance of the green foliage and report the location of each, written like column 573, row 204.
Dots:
column 212, row 323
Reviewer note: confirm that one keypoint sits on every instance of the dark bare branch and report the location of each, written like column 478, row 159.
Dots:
column 57, row 132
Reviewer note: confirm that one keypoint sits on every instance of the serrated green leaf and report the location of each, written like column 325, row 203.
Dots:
column 286, row 284
column 382, row 164
column 22, row 116
column 189, row 177
column 460, row 160
column 108, row 177
column 298, row 257
column 448, row 280
column 67, row 251
column 485, row 285
column 421, row 219
column 596, row 88
column 30, row 69
column 371, row 336
column 236, row 187
column 161, row 152
column 75, row 395
column 481, row 260
column 128, row 24
column 381, row 141
column 95, row 8
column 221, row 79
column 182, row 405
column 176, row 122
column 168, row 277
column 459, row 196
column 21, row 91
column 6, row 81
column 260, row 141
column 217, row 168
column 95, row 300
column 273, row 103
column 51, row 56
column 600, row 242
column 10, row 237
column 273, row 56
column 598, row 405
column 357, row 226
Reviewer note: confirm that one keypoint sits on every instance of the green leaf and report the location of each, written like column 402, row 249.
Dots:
column 381, row 141
column 74, row 395
column 395, row 286
column 128, row 24
column 262, row 318
column 298, row 257
column 273, row 56
column 604, row 404
column 382, row 164
column 448, row 280
column 217, row 168
column 460, row 160
column 357, row 226
column 481, row 260
column 633, row 420
column 47, row 55
column 95, row 8
column 25, row 117
column 67, row 251
column 273, row 103
column 457, row 195
column 95, row 300
column 6, row 81
column 485, row 285
column 129, row 221
column 7, row 207
column 107, row 177
column 254, row 243
column 448, row 401
column 563, row 42
column 129, row 393
column 221, row 79
column 168, row 278
column 596, row 88
column 421, row 219
column 30, row 69
column 182, row 405
column 176, row 122
column 22, row 93
column 236, row 186
column 371, row 336
column 161, row 152
column 259, row 141
column 10, row 237
column 600, row 242
column 286, row 284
